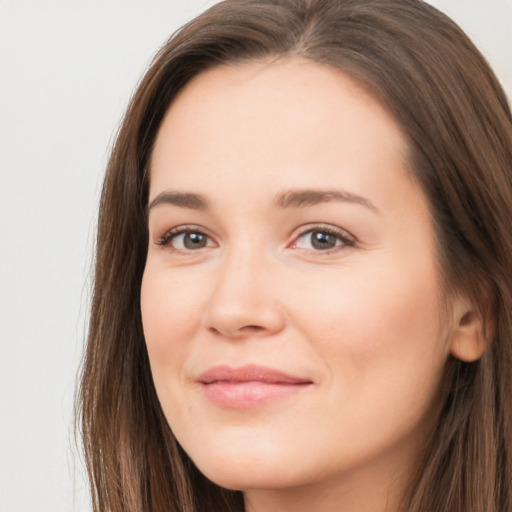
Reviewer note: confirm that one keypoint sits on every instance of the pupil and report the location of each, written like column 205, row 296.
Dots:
column 321, row 240
column 194, row 240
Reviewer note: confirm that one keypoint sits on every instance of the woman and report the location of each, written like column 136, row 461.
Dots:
column 302, row 293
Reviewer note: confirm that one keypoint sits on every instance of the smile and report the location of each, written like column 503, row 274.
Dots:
column 249, row 386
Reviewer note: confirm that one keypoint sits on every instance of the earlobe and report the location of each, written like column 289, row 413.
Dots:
column 469, row 338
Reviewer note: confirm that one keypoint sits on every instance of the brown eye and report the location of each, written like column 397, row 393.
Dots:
column 324, row 239
column 321, row 240
column 184, row 240
column 194, row 240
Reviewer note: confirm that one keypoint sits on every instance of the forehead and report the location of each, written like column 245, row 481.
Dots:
column 287, row 122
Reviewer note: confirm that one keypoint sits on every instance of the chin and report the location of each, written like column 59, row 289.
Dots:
column 241, row 467
column 237, row 478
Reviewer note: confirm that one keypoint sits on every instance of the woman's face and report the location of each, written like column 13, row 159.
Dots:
column 291, row 300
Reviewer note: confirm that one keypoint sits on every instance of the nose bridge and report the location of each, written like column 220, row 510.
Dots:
column 244, row 298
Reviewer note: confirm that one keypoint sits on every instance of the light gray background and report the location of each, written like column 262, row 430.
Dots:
column 67, row 70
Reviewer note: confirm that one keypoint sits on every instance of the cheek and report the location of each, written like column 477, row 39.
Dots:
column 170, row 309
column 378, row 328
column 377, row 336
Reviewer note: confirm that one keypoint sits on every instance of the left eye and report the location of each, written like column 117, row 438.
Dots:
column 321, row 240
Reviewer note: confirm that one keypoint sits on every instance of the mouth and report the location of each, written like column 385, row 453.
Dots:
column 249, row 386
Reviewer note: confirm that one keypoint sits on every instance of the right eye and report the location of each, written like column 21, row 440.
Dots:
column 185, row 240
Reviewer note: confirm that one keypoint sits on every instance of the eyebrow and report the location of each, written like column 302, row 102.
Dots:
column 304, row 198
column 181, row 199
column 288, row 199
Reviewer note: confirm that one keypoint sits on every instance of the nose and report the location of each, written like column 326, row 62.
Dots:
column 244, row 301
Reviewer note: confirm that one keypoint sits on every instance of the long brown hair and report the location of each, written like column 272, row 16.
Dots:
column 431, row 78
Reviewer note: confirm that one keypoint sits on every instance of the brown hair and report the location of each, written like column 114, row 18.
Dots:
column 431, row 78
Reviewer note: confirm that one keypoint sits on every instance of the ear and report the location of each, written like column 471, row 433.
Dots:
column 471, row 336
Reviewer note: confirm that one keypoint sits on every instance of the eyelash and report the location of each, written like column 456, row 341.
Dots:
column 341, row 235
column 175, row 232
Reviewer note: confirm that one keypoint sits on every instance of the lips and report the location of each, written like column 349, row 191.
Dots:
column 249, row 386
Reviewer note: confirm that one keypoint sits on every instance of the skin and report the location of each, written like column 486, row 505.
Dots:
column 362, row 321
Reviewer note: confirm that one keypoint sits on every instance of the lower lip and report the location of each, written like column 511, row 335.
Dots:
column 246, row 395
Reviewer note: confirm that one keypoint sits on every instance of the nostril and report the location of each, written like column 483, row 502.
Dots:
column 246, row 329
column 252, row 328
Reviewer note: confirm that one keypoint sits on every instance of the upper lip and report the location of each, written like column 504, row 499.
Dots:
column 249, row 373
